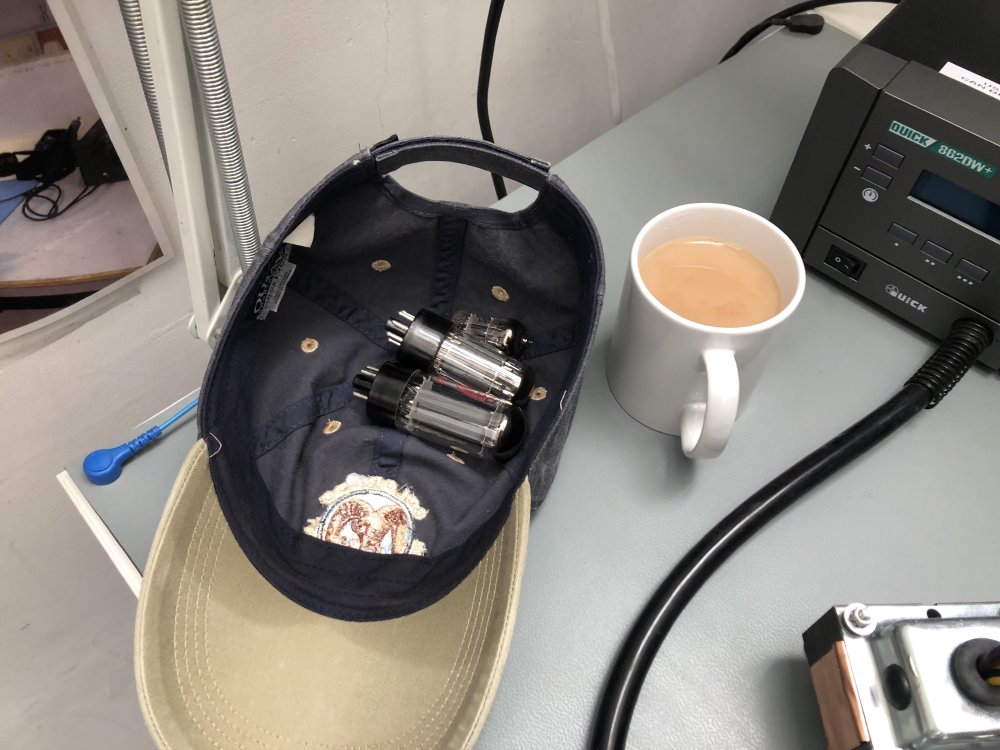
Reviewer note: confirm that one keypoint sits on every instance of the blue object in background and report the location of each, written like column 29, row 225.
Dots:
column 104, row 465
column 10, row 195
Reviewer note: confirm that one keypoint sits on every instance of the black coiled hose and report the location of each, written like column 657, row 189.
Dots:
column 952, row 360
column 925, row 389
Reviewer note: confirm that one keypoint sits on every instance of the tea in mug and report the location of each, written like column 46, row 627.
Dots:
column 711, row 281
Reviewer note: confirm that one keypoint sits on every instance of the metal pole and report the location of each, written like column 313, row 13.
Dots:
column 188, row 171
column 201, row 34
column 137, row 40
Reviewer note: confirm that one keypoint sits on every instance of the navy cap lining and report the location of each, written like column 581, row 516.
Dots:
column 549, row 341
column 302, row 413
column 337, row 302
column 387, row 453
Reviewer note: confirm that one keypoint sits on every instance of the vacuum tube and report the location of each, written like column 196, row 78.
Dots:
column 438, row 410
column 505, row 334
column 428, row 341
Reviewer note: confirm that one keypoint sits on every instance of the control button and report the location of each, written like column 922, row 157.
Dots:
column 936, row 252
column 876, row 178
column 902, row 233
column 888, row 156
column 970, row 270
column 846, row 264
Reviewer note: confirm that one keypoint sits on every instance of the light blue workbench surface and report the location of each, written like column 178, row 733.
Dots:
column 915, row 520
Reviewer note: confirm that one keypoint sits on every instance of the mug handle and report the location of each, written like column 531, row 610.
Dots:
column 706, row 425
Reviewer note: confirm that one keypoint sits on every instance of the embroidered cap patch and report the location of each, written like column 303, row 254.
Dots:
column 370, row 513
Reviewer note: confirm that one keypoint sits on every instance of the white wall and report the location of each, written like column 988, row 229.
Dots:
column 312, row 81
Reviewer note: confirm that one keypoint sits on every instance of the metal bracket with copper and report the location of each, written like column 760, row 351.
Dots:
column 907, row 677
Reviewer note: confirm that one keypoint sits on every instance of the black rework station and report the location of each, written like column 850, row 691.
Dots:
column 894, row 191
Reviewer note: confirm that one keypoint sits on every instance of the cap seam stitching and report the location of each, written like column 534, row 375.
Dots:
column 262, row 450
column 181, row 490
column 188, row 562
column 479, row 603
column 475, row 651
column 218, row 533
column 299, row 285
column 518, row 536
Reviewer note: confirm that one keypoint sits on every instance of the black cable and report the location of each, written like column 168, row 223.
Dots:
column 54, row 210
column 781, row 19
column 483, row 87
column 928, row 385
column 39, row 192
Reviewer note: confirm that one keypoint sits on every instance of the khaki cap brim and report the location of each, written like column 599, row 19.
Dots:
column 223, row 660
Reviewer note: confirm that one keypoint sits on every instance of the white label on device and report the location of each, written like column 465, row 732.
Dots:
column 976, row 81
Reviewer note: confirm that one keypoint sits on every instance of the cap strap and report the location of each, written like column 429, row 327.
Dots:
column 390, row 155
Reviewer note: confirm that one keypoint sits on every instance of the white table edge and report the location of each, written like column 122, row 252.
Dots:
column 125, row 567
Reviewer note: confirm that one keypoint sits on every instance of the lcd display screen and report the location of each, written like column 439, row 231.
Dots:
column 959, row 202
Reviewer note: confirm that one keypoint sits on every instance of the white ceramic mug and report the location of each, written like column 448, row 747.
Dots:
column 686, row 378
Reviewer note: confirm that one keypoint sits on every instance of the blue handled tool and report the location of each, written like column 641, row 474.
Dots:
column 104, row 465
